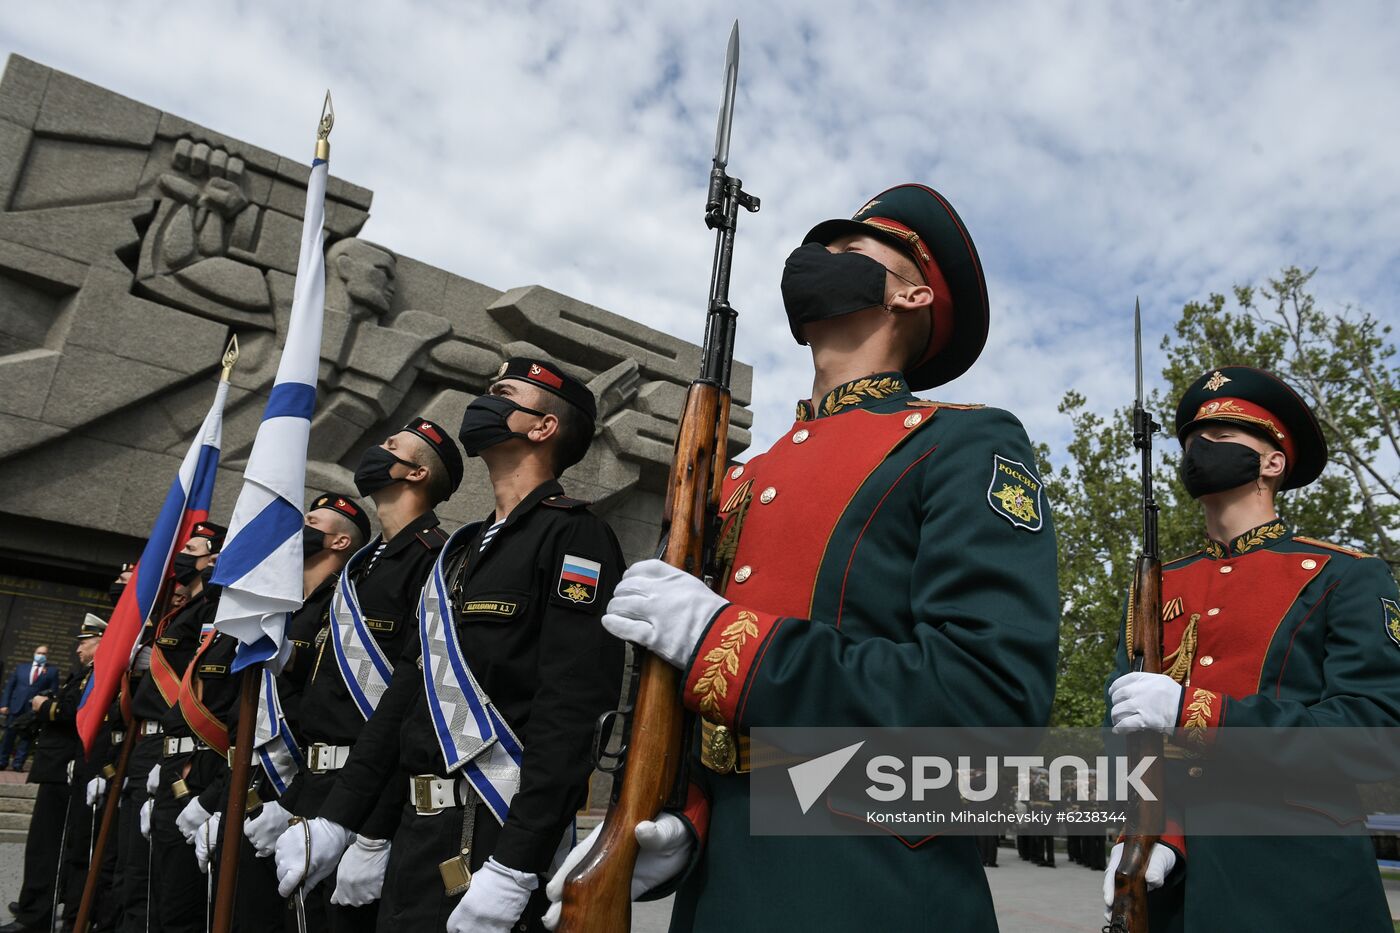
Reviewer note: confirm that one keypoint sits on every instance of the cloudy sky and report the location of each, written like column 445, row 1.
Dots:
column 1096, row 151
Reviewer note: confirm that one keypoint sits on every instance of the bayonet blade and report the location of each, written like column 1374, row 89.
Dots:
column 1137, row 346
column 726, row 110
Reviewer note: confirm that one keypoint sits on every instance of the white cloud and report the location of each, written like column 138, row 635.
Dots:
column 1096, row 152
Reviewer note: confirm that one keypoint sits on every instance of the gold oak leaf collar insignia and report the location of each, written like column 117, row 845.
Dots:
column 854, row 394
column 1253, row 539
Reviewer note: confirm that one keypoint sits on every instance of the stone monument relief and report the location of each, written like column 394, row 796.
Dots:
column 133, row 243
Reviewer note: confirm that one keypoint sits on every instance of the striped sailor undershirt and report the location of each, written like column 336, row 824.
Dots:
column 490, row 533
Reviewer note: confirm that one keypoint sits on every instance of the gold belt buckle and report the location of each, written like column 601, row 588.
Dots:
column 231, row 752
column 109, row 771
column 179, row 788
column 254, row 801
column 168, row 747
column 423, row 794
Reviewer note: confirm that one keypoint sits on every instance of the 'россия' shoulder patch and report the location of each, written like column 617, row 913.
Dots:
column 1390, row 616
column 1015, row 494
column 578, row 579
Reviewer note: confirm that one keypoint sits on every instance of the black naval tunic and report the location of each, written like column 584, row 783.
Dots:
column 550, row 669
column 56, row 749
column 387, row 584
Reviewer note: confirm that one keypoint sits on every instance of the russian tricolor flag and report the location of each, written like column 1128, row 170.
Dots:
column 260, row 567
column 186, row 504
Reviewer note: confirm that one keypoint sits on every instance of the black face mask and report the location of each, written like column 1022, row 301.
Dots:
column 185, row 569
column 313, row 541
column 114, row 592
column 372, row 474
column 819, row 284
column 207, row 574
column 1215, row 466
column 484, row 423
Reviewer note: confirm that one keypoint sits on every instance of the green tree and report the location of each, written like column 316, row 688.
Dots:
column 1343, row 364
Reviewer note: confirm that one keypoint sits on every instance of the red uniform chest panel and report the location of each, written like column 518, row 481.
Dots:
column 1241, row 602
column 796, row 492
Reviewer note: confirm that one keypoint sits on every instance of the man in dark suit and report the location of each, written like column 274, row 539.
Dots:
column 25, row 683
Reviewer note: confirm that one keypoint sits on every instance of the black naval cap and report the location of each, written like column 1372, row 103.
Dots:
column 345, row 506
column 442, row 444
column 553, row 380
column 92, row 627
column 920, row 222
column 212, row 531
column 1267, row 405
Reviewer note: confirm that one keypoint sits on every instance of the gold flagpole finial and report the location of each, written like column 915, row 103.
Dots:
column 323, row 131
column 230, row 358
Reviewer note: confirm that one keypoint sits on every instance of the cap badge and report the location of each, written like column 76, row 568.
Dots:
column 1216, row 380
column 535, row 369
column 431, row 432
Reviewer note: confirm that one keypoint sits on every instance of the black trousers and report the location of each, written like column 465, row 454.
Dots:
column 134, row 852
column 987, row 848
column 77, row 859
column 414, row 899
column 179, row 890
column 321, row 914
column 42, row 853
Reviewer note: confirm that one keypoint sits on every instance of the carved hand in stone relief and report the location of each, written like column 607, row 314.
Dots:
column 203, row 215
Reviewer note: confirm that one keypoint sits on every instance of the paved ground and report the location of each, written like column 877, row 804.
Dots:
column 1028, row 899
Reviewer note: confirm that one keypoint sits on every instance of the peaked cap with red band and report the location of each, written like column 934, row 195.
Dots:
column 920, row 222
column 213, row 531
column 1263, row 403
column 442, row 444
column 345, row 506
column 553, row 380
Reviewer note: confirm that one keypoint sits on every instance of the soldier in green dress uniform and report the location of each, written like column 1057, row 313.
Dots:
column 1262, row 628
column 891, row 562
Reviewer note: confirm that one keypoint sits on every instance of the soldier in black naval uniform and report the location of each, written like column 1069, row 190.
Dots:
column 58, row 747
column 407, row 475
column 336, row 526
column 167, row 645
column 525, row 590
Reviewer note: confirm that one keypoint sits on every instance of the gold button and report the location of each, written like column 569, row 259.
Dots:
column 767, row 495
column 913, row 419
column 1194, row 771
column 1213, row 612
column 737, row 472
column 743, row 573
column 1207, row 660
column 800, row 436
column 1226, row 569
column 1309, row 564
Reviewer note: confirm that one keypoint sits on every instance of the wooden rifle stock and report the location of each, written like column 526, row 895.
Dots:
column 598, row 893
column 1145, row 817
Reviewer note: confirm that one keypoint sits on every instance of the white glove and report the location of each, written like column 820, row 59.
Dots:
column 1144, row 702
column 267, row 827
column 191, row 819
column 146, row 818
column 663, row 609
column 1159, row 864
column 95, row 789
column 665, row 846
column 327, row 841
column 153, row 781
column 495, row 900
column 360, row 877
column 206, row 840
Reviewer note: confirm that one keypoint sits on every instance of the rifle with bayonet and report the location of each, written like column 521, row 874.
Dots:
column 1143, row 639
column 648, row 771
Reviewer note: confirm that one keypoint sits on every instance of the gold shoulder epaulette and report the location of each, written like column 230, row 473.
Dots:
column 1177, row 560
column 1339, row 548
column 923, row 403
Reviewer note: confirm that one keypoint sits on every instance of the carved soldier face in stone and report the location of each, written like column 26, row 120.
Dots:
column 367, row 275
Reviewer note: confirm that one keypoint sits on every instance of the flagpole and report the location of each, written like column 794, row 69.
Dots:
column 241, row 754
column 132, row 728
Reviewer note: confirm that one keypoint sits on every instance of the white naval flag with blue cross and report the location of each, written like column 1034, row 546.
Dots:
column 260, row 567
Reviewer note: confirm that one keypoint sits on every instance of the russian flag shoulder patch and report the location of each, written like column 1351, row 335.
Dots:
column 578, row 579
